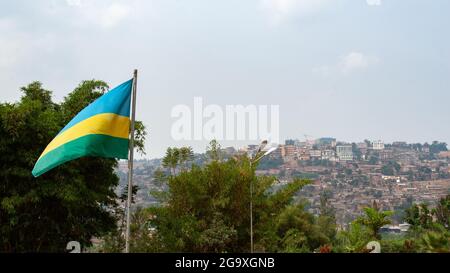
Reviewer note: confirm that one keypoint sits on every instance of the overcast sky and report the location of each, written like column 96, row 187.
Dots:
column 352, row 69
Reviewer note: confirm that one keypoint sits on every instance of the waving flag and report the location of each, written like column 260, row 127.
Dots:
column 101, row 129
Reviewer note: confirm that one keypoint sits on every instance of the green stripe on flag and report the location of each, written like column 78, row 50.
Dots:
column 90, row 145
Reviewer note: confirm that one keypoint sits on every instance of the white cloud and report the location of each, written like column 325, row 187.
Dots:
column 374, row 2
column 351, row 62
column 114, row 14
column 281, row 10
column 356, row 61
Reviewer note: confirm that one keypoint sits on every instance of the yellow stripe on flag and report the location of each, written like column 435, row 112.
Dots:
column 101, row 124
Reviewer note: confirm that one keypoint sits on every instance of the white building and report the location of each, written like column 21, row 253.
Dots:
column 328, row 155
column 378, row 145
column 315, row 153
column 344, row 152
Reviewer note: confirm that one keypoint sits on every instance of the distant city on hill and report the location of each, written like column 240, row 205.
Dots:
column 350, row 175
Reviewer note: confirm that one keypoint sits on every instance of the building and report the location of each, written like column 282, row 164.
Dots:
column 402, row 228
column 386, row 155
column 315, row 154
column 328, row 155
column 378, row 145
column 344, row 152
column 400, row 144
column 362, row 145
column 290, row 142
column 289, row 152
column 303, row 154
column 445, row 154
column 326, row 142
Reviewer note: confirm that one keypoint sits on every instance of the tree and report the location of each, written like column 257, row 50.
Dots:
column 354, row 239
column 213, row 150
column 207, row 210
column 356, row 152
column 268, row 163
column 373, row 159
column 419, row 217
column 297, row 231
column 177, row 157
column 71, row 202
column 390, row 168
column 348, row 171
column 437, row 147
column 387, row 170
column 327, row 216
column 435, row 242
column 429, row 230
column 186, row 155
column 442, row 212
column 171, row 159
column 374, row 219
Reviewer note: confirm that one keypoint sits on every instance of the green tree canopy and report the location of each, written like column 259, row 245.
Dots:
column 374, row 219
column 207, row 210
column 70, row 202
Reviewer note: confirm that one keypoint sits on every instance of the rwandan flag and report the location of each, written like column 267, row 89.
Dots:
column 101, row 129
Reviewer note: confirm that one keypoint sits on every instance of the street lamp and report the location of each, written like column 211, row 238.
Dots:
column 255, row 159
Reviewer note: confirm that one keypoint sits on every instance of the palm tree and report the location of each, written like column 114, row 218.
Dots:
column 374, row 219
column 213, row 150
column 171, row 159
column 186, row 155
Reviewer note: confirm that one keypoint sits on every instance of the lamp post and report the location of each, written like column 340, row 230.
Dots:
column 255, row 159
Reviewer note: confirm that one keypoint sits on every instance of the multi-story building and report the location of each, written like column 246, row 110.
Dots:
column 289, row 152
column 399, row 144
column 362, row 145
column 303, row 154
column 378, row 145
column 315, row 153
column 344, row 152
column 290, row 142
column 326, row 142
column 386, row 155
column 445, row 154
column 328, row 155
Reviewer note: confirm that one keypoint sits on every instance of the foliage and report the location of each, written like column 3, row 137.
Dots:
column 327, row 217
column 373, row 159
column 442, row 212
column 171, row 159
column 437, row 147
column 429, row 228
column 213, row 150
column 270, row 163
column 354, row 239
column 177, row 156
column 71, row 202
column 374, row 219
column 390, row 168
column 419, row 217
column 207, row 210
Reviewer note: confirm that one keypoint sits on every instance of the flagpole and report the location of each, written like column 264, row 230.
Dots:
column 130, row 162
